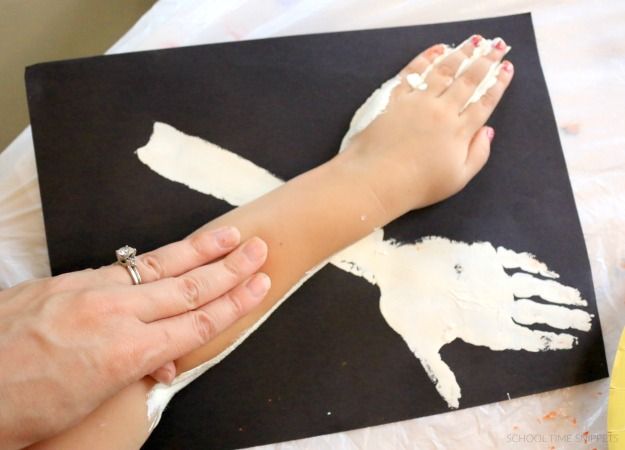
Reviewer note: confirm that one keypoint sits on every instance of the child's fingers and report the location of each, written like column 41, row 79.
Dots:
column 477, row 113
column 443, row 74
column 423, row 60
column 166, row 373
column 464, row 86
column 419, row 64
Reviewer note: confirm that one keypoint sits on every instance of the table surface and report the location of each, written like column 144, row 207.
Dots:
column 582, row 49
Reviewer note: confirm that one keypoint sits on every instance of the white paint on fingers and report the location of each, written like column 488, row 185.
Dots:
column 528, row 312
column 524, row 261
column 525, row 285
column 521, row 338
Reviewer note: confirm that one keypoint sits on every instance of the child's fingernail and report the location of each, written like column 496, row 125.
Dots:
column 490, row 133
column 499, row 44
column 476, row 39
column 507, row 66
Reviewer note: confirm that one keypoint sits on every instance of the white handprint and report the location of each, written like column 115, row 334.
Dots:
column 431, row 292
column 437, row 290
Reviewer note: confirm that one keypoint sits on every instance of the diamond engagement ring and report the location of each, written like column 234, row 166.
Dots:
column 127, row 257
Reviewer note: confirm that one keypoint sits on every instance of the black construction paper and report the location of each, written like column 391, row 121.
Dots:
column 326, row 361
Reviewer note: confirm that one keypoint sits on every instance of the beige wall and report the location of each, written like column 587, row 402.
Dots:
column 33, row 31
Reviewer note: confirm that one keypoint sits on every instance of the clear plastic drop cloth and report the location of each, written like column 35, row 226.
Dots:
column 582, row 50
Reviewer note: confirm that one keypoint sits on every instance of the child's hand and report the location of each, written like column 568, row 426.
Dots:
column 430, row 142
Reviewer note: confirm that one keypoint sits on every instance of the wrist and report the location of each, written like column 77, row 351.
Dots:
column 387, row 182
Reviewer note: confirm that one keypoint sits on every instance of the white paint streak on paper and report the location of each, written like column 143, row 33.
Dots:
column 223, row 173
column 524, row 261
column 431, row 292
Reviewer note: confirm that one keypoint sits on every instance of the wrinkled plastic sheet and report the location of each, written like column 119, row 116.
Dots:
column 582, row 50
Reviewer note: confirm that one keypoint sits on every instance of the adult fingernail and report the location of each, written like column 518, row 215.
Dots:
column 476, row 39
column 227, row 237
column 259, row 284
column 490, row 133
column 507, row 66
column 255, row 249
column 499, row 44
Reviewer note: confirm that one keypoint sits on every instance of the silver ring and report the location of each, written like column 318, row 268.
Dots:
column 127, row 257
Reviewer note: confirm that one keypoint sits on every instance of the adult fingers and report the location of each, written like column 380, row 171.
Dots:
column 176, row 336
column 172, row 296
column 177, row 258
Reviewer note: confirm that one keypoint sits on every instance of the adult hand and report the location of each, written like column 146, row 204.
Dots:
column 68, row 343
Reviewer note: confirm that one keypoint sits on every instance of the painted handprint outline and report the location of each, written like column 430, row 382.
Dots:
column 435, row 267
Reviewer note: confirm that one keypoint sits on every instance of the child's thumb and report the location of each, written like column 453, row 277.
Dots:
column 479, row 150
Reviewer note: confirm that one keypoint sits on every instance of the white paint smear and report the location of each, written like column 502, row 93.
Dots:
column 377, row 102
column 431, row 292
column 211, row 171
column 370, row 109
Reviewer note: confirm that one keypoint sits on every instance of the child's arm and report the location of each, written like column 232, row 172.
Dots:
column 423, row 149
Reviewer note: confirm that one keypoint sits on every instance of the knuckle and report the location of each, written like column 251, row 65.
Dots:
column 416, row 64
column 100, row 305
column 471, row 79
column 152, row 265
column 440, row 112
column 205, row 325
column 231, row 265
column 61, row 283
column 190, row 289
column 493, row 56
column 445, row 70
column 91, row 301
column 199, row 242
column 153, row 356
column 236, row 303
column 489, row 99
